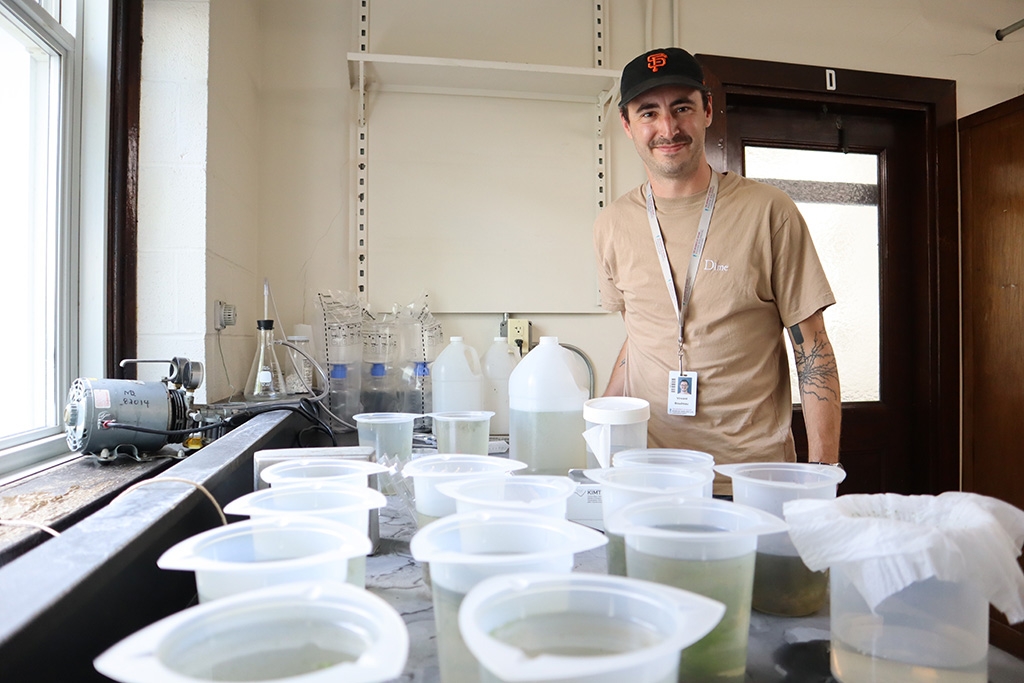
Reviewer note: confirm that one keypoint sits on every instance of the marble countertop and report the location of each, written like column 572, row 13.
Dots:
column 780, row 650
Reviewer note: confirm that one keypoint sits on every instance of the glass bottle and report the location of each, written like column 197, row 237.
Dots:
column 266, row 382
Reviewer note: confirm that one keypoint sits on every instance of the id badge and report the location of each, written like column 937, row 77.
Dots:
column 682, row 393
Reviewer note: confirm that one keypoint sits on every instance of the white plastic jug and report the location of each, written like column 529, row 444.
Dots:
column 546, row 411
column 457, row 378
column 498, row 364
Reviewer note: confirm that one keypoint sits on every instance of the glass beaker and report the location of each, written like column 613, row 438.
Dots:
column 266, row 382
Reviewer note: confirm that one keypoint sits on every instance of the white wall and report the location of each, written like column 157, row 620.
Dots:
column 298, row 100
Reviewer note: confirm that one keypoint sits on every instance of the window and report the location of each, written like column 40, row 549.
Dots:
column 838, row 196
column 46, row 102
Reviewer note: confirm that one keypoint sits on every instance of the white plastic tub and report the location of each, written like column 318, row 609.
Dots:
column 536, row 493
column 429, row 471
column 309, row 632
column 266, row 552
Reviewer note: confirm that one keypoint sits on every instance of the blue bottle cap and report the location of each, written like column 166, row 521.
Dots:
column 339, row 371
column 378, row 370
column 422, row 369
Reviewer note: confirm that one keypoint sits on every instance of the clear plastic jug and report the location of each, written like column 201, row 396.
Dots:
column 546, row 411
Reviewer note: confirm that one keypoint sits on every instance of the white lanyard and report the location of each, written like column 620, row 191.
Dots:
column 698, row 249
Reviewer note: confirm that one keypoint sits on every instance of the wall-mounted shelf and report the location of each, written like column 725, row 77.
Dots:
column 401, row 73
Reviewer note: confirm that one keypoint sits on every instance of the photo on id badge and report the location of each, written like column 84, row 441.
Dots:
column 682, row 393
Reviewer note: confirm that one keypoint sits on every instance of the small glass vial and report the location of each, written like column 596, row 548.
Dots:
column 266, row 382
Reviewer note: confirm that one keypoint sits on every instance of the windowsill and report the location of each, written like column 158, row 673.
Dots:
column 61, row 495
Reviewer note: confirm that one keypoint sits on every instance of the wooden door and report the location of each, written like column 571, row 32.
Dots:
column 992, row 221
column 905, row 441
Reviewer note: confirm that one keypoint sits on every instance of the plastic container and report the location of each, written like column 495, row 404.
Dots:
column 390, row 434
column 783, row 585
column 298, row 372
column 932, row 630
column 463, row 431
column 536, row 493
column 347, row 504
column 378, row 389
column 621, row 486
column 706, row 546
column 430, row 470
column 498, row 363
column 546, row 411
column 673, row 457
column 466, row 548
column 581, row 628
column 344, row 388
column 457, row 378
column 266, row 552
column 613, row 424
column 313, row 632
column 416, row 393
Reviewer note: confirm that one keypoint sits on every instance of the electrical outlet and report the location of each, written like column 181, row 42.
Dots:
column 223, row 315
column 519, row 332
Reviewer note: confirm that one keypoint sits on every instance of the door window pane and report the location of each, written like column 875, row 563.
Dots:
column 838, row 196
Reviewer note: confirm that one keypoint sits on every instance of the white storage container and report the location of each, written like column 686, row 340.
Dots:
column 457, row 378
column 546, row 411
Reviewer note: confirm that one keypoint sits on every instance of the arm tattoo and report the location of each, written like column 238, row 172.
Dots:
column 816, row 369
column 622, row 363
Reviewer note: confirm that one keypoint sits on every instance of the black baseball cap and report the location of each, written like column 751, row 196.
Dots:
column 664, row 66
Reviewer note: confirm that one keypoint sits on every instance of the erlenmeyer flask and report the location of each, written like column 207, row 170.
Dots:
column 266, row 382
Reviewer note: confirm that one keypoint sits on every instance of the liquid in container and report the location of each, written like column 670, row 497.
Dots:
column 464, row 549
column 783, row 585
column 706, row 546
column 581, row 628
column 546, row 411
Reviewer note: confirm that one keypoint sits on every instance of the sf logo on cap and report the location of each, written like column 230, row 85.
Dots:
column 656, row 61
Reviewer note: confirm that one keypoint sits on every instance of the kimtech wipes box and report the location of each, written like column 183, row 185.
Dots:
column 584, row 504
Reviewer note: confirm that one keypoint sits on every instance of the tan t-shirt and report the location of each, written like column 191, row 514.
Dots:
column 759, row 273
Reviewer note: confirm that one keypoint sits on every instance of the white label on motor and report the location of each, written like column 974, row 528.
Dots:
column 101, row 397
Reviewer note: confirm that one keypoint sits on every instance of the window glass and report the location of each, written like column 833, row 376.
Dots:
column 838, row 196
column 29, row 211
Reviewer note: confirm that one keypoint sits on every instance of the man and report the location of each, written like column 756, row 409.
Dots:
column 707, row 270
